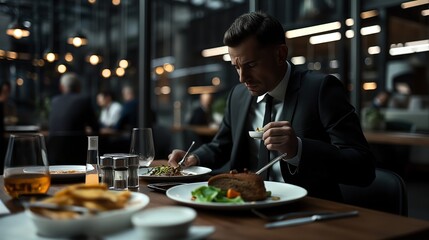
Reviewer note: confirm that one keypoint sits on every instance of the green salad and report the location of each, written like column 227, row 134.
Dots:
column 214, row 194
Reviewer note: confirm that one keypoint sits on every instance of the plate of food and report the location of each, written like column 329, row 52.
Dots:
column 231, row 191
column 169, row 173
column 108, row 211
column 68, row 171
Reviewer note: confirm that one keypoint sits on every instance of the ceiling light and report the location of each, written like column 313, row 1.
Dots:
column 106, row 73
column 298, row 60
column 93, row 59
column 413, row 3
column 334, row 64
column 374, row 50
column 350, row 22
column 120, row 72
column 370, row 30
column 68, row 57
column 78, row 40
column 50, row 56
column 330, row 37
column 369, row 86
column 210, row 52
column 313, row 29
column 368, row 14
column 62, row 68
column 409, row 47
column 168, row 67
column 18, row 30
column 123, row 63
column 350, row 33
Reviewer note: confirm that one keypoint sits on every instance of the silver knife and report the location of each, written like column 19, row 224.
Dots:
column 314, row 218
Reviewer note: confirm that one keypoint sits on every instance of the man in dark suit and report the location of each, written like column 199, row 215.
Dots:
column 71, row 113
column 202, row 116
column 128, row 118
column 312, row 120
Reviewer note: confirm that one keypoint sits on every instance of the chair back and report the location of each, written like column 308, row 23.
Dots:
column 386, row 193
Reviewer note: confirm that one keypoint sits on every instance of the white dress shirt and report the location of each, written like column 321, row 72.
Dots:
column 258, row 110
column 109, row 115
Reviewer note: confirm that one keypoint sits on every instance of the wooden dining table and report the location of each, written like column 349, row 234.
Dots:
column 243, row 224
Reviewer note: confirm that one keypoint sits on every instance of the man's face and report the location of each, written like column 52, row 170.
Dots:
column 258, row 68
column 101, row 100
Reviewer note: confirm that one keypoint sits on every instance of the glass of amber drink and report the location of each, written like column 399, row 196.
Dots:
column 26, row 169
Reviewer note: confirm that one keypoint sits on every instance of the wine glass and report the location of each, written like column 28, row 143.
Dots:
column 142, row 145
column 26, row 169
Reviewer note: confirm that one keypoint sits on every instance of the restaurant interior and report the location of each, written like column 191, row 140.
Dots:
column 171, row 53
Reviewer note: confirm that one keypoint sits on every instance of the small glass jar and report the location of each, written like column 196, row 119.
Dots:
column 120, row 167
column 106, row 167
column 133, row 171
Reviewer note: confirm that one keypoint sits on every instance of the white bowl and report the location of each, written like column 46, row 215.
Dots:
column 96, row 225
column 256, row 134
column 170, row 222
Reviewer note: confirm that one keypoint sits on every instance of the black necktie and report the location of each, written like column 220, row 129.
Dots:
column 264, row 154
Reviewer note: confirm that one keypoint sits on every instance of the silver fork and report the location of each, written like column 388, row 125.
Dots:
column 279, row 217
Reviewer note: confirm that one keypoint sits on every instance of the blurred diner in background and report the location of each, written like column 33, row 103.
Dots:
column 110, row 109
column 161, row 56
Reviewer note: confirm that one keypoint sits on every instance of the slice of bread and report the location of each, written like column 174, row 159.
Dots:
column 250, row 186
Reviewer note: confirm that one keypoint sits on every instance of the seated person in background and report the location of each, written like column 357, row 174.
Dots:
column 372, row 116
column 129, row 115
column 312, row 121
column 381, row 100
column 71, row 114
column 202, row 115
column 110, row 109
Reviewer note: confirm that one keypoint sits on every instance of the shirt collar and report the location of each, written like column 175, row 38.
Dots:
column 279, row 91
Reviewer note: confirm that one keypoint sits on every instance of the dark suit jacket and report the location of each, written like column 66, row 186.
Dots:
column 129, row 115
column 70, row 114
column 334, row 149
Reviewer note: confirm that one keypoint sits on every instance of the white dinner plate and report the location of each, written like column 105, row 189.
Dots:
column 68, row 171
column 188, row 173
column 101, row 223
column 256, row 134
column 285, row 192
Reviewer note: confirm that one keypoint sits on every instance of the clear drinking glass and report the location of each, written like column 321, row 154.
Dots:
column 26, row 169
column 142, row 145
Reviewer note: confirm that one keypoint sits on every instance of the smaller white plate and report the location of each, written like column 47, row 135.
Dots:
column 286, row 193
column 68, row 171
column 102, row 223
column 255, row 134
column 189, row 173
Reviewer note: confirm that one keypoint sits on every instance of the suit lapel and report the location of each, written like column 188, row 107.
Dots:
column 292, row 94
column 241, row 115
column 242, row 103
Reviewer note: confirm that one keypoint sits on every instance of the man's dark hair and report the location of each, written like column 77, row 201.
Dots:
column 266, row 29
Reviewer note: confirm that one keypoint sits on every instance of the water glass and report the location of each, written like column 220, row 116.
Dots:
column 142, row 145
column 26, row 169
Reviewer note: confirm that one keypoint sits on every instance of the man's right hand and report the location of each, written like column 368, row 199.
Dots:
column 176, row 155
